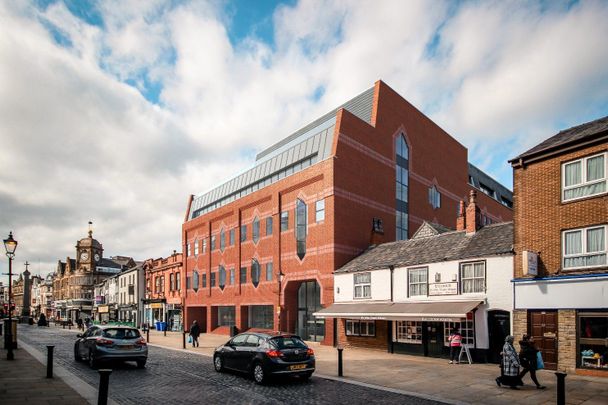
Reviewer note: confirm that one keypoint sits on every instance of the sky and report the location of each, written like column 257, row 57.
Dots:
column 116, row 111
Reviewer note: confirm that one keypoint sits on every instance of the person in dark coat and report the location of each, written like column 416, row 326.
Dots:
column 195, row 331
column 529, row 359
column 42, row 320
column 509, row 365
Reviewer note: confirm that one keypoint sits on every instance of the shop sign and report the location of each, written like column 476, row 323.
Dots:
column 450, row 288
column 530, row 263
column 103, row 309
column 372, row 318
column 438, row 319
column 156, row 305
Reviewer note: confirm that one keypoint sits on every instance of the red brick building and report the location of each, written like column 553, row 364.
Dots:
column 163, row 300
column 261, row 248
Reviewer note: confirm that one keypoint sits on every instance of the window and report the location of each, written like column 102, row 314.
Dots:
column 506, row 202
column 212, row 243
column 255, row 230
column 401, row 187
column 363, row 286
column 204, row 280
column 409, row 332
column 301, row 228
column 268, row 226
column 243, row 233
column 222, row 278
column 157, row 284
column 178, row 282
column 472, row 277
column 465, row 326
column 204, row 245
column 261, row 316
column 592, row 333
column 195, row 247
column 417, row 281
column 434, row 197
column 269, row 271
column 584, row 177
column 487, row 190
column 212, row 279
column 320, row 210
column 172, row 282
column 188, row 249
column 243, row 275
column 222, row 240
column 360, row 328
column 226, row 316
column 232, row 276
column 232, row 237
column 284, row 221
column 195, row 280
column 584, row 247
column 255, row 273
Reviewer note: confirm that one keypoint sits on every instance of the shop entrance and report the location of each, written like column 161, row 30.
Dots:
column 432, row 336
column 309, row 327
column 543, row 327
column 499, row 327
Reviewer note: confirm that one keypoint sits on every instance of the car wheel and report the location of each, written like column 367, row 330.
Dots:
column 77, row 356
column 259, row 375
column 141, row 363
column 218, row 364
column 93, row 363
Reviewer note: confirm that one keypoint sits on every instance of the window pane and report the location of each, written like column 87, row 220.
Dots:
column 595, row 240
column 574, row 243
column 595, row 168
column 573, row 174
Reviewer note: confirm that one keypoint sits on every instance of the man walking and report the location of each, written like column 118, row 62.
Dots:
column 195, row 331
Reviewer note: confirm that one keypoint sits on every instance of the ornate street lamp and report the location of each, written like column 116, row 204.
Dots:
column 10, row 245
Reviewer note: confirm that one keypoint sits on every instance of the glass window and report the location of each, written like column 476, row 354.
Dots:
column 355, row 327
column 226, row 316
column 212, row 279
column 212, row 243
column 434, row 197
column 472, row 277
column 204, row 245
column 585, row 247
column 243, row 233
column 195, row 247
column 188, row 249
column 269, row 271
column 222, row 240
column 408, row 332
column 261, row 316
column 204, row 280
column 320, row 210
column 592, row 339
column 255, row 273
column 171, row 281
column 232, row 276
column 465, row 327
column 401, row 187
column 584, row 177
column 222, row 278
column 363, row 286
column 255, row 230
column 243, row 275
column 284, row 221
column 418, row 281
column 188, row 282
column 301, row 228
column 178, row 282
column 195, row 280
column 268, row 226
column 232, row 237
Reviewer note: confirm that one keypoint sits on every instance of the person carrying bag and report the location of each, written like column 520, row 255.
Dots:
column 531, row 360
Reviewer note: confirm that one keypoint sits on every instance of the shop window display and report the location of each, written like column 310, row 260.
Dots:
column 593, row 340
column 409, row 332
column 466, row 331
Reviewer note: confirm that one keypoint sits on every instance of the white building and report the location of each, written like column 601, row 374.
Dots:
column 407, row 296
column 131, row 289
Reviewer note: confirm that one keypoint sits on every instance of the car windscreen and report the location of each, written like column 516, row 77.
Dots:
column 121, row 333
column 287, row 342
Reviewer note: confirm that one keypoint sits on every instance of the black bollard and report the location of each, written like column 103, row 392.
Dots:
column 340, row 370
column 561, row 388
column 148, row 335
column 184, row 339
column 49, row 362
column 104, row 382
column 165, row 331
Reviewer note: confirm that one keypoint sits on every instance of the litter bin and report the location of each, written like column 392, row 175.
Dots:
column 233, row 331
column 157, row 324
column 14, row 330
column 163, row 326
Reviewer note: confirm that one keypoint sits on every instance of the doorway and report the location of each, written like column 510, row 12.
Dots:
column 433, row 339
column 543, row 327
column 499, row 327
column 309, row 327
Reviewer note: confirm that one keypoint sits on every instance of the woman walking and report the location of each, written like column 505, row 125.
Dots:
column 195, row 331
column 509, row 366
column 529, row 360
column 455, row 342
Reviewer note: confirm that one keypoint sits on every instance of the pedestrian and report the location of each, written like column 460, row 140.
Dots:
column 455, row 340
column 509, row 365
column 79, row 323
column 195, row 331
column 529, row 360
column 42, row 320
column 87, row 322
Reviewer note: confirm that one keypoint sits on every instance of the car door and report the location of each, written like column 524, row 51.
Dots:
column 89, row 343
column 249, row 351
column 230, row 351
column 82, row 343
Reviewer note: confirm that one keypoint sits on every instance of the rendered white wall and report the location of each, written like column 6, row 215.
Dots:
column 578, row 293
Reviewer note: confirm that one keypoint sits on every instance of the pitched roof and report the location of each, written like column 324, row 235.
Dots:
column 430, row 229
column 575, row 135
column 491, row 240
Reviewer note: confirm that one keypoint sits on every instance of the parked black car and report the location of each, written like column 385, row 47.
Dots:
column 266, row 354
column 109, row 342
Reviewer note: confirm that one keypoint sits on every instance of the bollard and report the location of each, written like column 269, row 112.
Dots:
column 63, row 324
column 104, row 382
column 340, row 370
column 184, row 339
column 148, row 335
column 70, row 326
column 561, row 388
column 49, row 361
column 165, row 331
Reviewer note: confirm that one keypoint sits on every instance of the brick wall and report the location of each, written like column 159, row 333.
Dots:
column 378, row 342
column 520, row 325
column 566, row 340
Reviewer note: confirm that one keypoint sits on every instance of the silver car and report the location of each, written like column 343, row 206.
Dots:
column 109, row 342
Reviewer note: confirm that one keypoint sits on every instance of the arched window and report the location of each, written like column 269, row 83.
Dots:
column 222, row 281
column 301, row 228
column 255, row 232
column 195, row 280
column 402, row 183
column 255, row 272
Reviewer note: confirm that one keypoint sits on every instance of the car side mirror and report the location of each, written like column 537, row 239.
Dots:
column 79, row 335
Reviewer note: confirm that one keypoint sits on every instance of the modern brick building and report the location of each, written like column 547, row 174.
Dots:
column 260, row 249
column 163, row 300
column 561, row 228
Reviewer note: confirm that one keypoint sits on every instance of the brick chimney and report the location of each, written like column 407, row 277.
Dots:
column 461, row 221
column 473, row 214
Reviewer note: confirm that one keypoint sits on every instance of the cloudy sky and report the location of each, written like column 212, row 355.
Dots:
column 117, row 111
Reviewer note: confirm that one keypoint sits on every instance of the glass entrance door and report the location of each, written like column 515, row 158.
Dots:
column 309, row 301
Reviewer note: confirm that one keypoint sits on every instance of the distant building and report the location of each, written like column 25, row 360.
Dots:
column 131, row 287
column 561, row 234
column 163, row 299
column 260, row 248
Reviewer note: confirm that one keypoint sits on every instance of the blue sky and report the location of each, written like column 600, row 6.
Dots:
column 115, row 111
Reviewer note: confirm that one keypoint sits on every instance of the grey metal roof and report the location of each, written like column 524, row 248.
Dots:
column 574, row 135
column 491, row 240
column 481, row 181
column 298, row 151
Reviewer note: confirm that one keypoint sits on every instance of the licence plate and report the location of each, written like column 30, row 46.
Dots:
column 298, row 367
column 126, row 347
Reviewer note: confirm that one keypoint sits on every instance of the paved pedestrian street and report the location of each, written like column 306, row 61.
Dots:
column 182, row 377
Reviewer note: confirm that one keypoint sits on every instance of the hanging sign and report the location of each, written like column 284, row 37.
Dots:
column 530, row 263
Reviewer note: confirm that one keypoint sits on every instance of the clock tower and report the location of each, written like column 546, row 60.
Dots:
column 89, row 253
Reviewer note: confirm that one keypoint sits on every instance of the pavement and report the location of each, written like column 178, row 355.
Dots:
column 423, row 377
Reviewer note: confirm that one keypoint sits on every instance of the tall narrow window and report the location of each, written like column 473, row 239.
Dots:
column 284, row 221
column 434, row 197
column 301, row 228
column 222, row 277
column 232, row 276
column 178, row 282
column 320, row 210
column 195, row 280
column 255, row 273
column 222, row 240
column 204, row 280
column 195, row 247
column 204, row 245
column 402, row 175
column 269, row 271
column 212, row 243
column 232, row 237
column 243, row 233
column 255, row 230
column 243, row 275
column 268, row 226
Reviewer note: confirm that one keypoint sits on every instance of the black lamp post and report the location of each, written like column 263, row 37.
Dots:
column 10, row 245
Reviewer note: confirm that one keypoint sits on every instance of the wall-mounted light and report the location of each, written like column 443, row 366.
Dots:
column 337, row 290
column 437, row 277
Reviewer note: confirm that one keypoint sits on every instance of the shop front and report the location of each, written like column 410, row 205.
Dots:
column 592, row 340
column 155, row 310
column 174, row 317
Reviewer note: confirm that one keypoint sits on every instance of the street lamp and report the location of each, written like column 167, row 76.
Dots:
column 10, row 245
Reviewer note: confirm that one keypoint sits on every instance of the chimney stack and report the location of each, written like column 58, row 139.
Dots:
column 473, row 214
column 461, row 221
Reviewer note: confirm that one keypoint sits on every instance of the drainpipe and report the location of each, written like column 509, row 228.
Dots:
column 390, row 329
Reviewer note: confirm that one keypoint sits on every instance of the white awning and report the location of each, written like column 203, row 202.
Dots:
column 419, row 311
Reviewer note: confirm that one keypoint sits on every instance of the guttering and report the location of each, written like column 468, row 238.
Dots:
column 559, row 278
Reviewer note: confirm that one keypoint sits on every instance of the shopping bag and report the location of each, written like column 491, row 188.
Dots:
column 189, row 339
column 539, row 361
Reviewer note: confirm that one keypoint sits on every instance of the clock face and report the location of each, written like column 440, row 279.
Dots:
column 84, row 256
column 97, row 257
